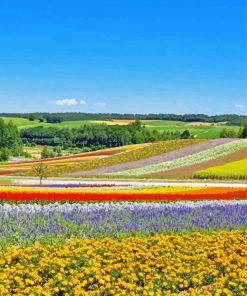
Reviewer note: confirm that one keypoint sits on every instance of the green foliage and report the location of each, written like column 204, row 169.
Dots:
column 4, row 154
column 90, row 136
column 10, row 141
column 231, row 133
column 185, row 135
column 51, row 152
column 228, row 133
column 31, row 117
column 53, row 118
column 243, row 132
column 47, row 153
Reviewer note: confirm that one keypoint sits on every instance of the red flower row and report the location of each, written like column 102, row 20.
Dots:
column 118, row 196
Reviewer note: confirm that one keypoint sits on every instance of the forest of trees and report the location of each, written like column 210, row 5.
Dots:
column 10, row 141
column 102, row 135
column 231, row 119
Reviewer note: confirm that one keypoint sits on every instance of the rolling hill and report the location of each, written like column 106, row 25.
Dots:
column 200, row 130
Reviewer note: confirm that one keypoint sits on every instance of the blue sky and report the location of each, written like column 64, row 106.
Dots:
column 134, row 56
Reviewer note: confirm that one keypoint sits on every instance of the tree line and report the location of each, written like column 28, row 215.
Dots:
column 100, row 136
column 10, row 141
column 231, row 119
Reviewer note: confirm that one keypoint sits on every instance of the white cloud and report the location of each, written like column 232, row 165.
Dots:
column 65, row 102
column 240, row 106
column 100, row 104
column 83, row 102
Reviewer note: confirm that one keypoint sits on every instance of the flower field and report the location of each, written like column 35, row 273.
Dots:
column 168, row 159
column 124, row 248
column 133, row 157
column 208, row 154
column 134, row 266
column 66, row 161
column 76, row 237
column 166, row 151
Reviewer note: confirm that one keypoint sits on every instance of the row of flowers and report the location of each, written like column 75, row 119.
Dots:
column 70, row 160
column 139, row 155
column 158, row 265
column 162, row 194
column 199, row 157
column 158, row 153
column 23, row 224
column 110, row 151
column 96, row 153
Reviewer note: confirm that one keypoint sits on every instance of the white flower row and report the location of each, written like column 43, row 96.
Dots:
column 111, row 206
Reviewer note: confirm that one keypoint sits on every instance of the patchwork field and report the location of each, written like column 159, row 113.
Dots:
column 181, row 159
column 201, row 130
column 176, row 159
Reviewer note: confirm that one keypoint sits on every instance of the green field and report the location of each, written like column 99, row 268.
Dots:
column 200, row 131
column 21, row 122
column 204, row 132
column 25, row 123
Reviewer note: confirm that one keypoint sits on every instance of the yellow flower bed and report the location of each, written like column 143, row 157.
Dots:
column 232, row 170
column 192, row 264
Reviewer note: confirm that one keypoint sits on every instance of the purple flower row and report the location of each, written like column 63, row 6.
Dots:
column 27, row 223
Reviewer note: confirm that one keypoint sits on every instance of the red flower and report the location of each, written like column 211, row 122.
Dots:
column 49, row 195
